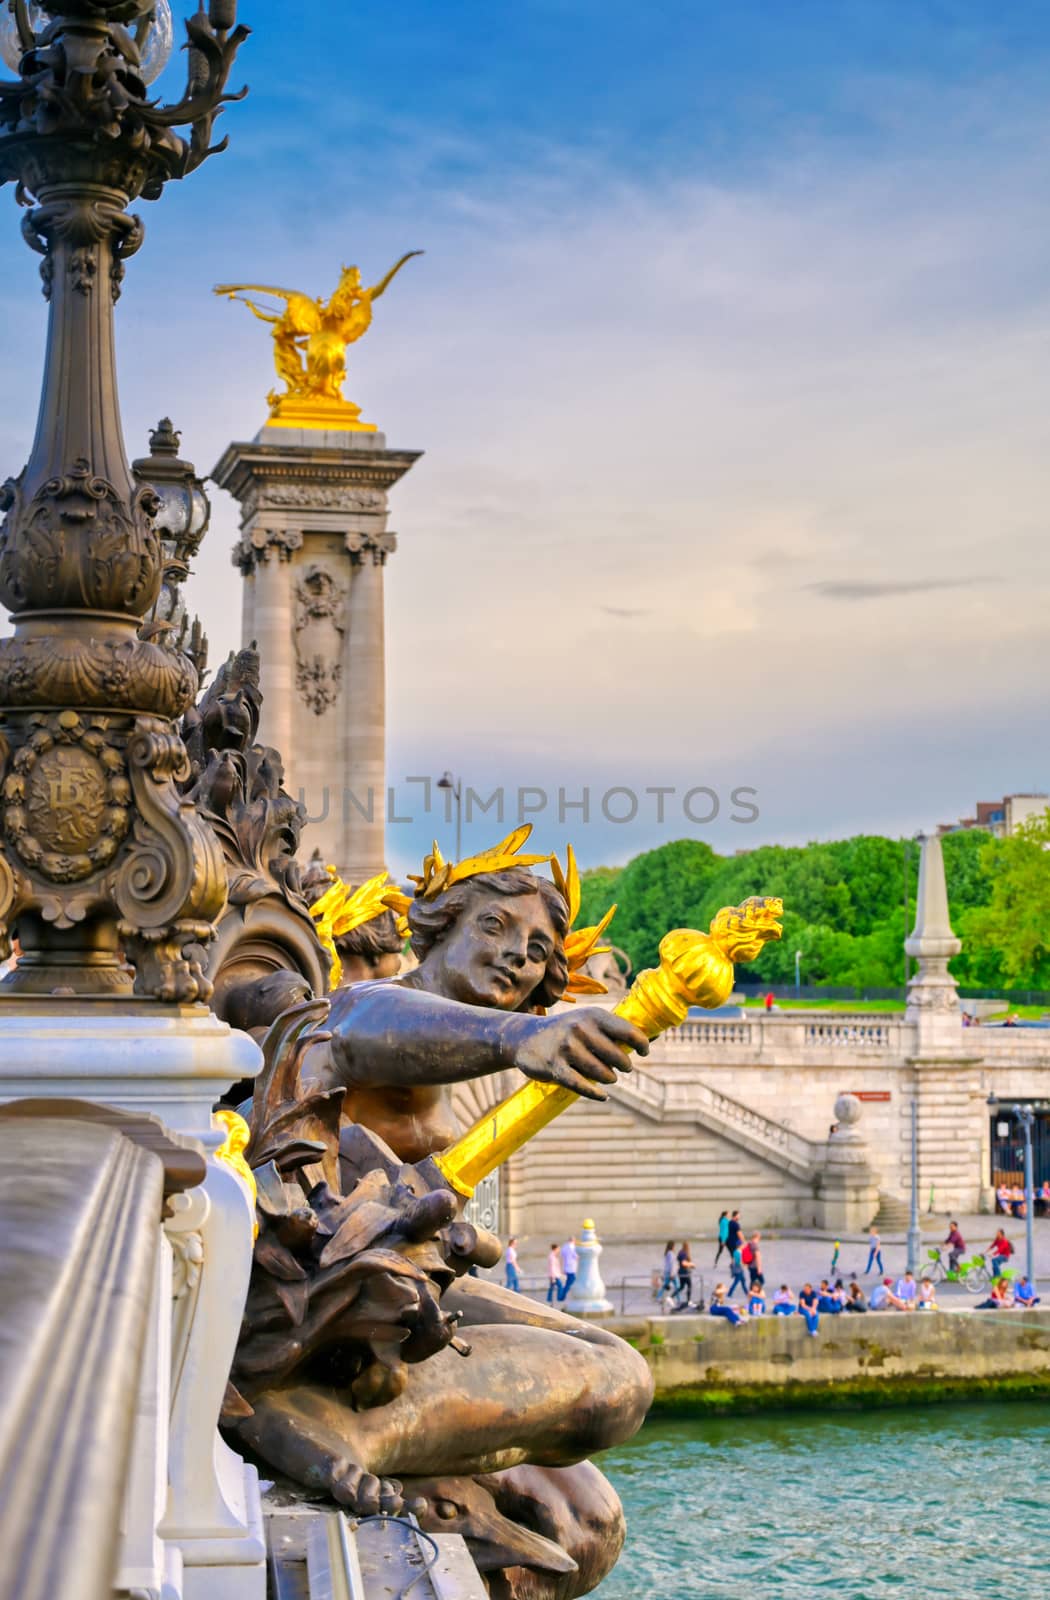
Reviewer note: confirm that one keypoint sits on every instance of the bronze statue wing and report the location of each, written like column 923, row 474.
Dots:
column 384, row 283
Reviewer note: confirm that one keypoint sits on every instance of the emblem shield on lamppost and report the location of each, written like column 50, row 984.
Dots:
column 106, row 871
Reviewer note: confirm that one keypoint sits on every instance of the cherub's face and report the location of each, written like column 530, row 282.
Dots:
column 497, row 951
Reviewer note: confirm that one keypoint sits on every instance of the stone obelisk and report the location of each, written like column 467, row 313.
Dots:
column 312, row 487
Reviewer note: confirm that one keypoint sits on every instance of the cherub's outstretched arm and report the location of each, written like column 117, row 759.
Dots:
column 384, row 283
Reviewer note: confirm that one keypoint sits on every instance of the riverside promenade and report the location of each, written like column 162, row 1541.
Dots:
column 789, row 1255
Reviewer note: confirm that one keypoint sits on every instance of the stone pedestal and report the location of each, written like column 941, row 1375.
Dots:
column 313, row 547
column 174, row 1063
column 849, row 1184
column 587, row 1295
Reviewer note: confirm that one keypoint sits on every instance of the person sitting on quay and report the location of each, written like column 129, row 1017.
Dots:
column 1002, row 1198
column 1024, row 1293
column 927, row 1298
column 756, row 1301
column 720, row 1306
column 808, row 1308
column 553, row 1275
column 999, row 1298
column 884, row 1299
column 1000, row 1250
column 828, row 1299
column 956, row 1246
column 1042, row 1199
column 856, row 1299
column 906, row 1291
column 783, row 1302
column 1018, row 1203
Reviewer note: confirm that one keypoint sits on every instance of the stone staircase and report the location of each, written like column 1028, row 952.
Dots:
column 894, row 1213
column 748, row 1129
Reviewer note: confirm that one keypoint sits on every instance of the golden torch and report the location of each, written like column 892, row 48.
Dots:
column 696, row 969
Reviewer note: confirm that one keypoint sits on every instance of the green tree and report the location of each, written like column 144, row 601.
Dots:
column 844, row 904
column 1013, row 926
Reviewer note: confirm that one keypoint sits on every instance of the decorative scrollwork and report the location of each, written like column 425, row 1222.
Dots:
column 171, row 886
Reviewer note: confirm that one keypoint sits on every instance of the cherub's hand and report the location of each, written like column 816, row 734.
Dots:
column 578, row 1050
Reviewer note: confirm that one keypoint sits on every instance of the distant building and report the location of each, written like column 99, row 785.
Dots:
column 1001, row 817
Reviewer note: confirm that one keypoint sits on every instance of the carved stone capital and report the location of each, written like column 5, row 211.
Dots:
column 374, row 547
column 266, row 544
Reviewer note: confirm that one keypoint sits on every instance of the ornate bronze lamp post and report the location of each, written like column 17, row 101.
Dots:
column 107, row 873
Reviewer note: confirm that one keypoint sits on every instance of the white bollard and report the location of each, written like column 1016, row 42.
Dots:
column 587, row 1294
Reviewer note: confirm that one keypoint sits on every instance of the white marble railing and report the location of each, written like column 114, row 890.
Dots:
column 772, row 1035
column 717, row 1031
column 859, row 1032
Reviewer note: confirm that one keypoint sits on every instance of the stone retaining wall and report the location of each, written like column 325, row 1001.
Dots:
column 705, row 1364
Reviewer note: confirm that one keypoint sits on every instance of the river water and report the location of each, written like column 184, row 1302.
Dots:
column 949, row 1501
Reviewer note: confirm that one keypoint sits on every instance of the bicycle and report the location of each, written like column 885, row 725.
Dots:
column 973, row 1275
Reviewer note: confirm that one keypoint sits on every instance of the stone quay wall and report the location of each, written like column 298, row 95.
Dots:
column 705, row 1365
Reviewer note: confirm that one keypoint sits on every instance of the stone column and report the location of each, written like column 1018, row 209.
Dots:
column 363, row 846
column 266, row 561
column 313, row 547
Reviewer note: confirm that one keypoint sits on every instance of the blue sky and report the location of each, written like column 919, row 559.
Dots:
column 730, row 356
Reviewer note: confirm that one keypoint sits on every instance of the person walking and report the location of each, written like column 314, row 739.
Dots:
column 756, row 1277
column 685, row 1276
column 874, row 1252
column 570, row 1261
column 734, row 1232
column 738, row 1272
column 723, row 1235
column 512, row 1280
column 836, row 1252
column 553, row 1275
column 670, row 1271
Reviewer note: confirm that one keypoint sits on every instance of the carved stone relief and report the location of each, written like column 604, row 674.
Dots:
column 320, row 626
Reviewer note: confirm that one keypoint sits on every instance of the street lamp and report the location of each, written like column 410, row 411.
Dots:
column 798, row 977
column 181, row 520
column 1026, row 1117
column 455, row 786
column 104, row 871
column 914, row 1231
